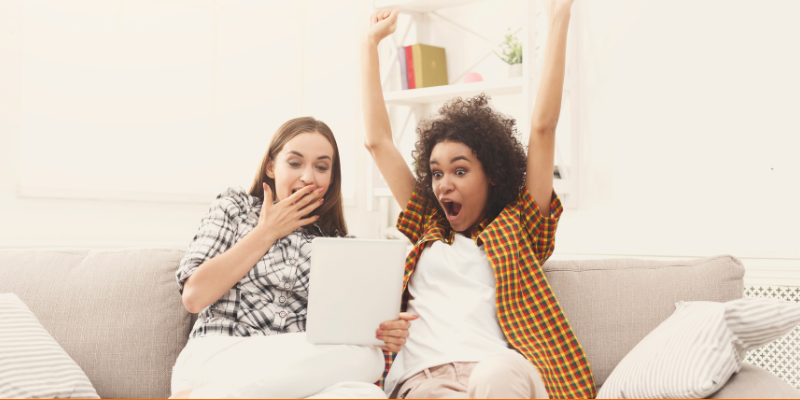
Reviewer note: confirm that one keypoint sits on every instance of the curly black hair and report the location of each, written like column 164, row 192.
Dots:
column 491, row 135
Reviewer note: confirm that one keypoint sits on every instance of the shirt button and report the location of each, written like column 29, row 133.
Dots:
column 287, row 285
column 282, row 314
column 282, row 299
column 293, row 261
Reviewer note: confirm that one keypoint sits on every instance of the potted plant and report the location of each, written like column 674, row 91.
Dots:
column 512, row 54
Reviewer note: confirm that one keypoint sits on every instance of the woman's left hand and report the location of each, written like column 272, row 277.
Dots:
column 394, row 333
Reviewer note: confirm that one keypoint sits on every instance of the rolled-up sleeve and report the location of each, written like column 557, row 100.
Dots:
column 412, row 222
column 541, row 229
column 217, row 233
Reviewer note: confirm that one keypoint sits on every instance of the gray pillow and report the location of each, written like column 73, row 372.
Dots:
column 32, row 364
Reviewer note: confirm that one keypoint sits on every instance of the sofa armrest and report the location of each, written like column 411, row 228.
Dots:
column 753, row 382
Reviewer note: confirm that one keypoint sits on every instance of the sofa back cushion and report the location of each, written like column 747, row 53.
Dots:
column 613, row 304
column 117, row 313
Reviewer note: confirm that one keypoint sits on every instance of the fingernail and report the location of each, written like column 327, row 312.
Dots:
column 320, row 200
column 383, row 326
column 317, row 216
column 378, row 332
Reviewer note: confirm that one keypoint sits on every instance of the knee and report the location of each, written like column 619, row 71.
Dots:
column 368, row 360
column 498, row 367
column 506, row 376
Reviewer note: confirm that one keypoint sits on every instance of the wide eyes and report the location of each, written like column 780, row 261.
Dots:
column 459, row 172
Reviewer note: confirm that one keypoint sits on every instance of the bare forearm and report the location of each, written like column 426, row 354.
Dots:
column 551, row 82
column 541, row 146
column 376, row 119
column 216, row 276
column 378, row 129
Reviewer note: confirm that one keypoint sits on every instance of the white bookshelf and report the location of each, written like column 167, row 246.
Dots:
column 420, row 6
column 438, row 94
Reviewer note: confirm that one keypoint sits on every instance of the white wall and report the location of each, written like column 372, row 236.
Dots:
column 689, row 129
column 120, row 120
column 688, row 123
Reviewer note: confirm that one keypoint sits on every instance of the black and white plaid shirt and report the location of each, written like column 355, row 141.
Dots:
column 272, row 297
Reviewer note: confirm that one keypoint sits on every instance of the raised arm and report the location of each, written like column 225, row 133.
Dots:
column 376, row 120
column 541, row 148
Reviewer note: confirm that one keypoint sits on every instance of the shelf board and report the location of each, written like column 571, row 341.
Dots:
column 421, row 6
column 447, row 92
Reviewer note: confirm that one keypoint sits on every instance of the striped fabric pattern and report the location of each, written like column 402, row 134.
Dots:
column 694, row 352
column 32, row 363
column 517, row 242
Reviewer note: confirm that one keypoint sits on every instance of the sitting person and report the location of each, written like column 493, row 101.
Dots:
column 246, row 273
column 482, row 216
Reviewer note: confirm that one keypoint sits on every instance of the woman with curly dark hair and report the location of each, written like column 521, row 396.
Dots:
column 482, row 216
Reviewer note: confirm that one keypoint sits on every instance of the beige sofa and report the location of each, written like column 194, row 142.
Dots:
column 118, row 313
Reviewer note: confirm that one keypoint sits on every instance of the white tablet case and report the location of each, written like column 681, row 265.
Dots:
column 354, row 286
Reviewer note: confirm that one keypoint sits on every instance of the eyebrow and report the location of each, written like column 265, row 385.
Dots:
column 300, row 155
column 453, row 160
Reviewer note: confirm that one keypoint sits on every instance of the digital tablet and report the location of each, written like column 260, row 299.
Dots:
column 354, row 286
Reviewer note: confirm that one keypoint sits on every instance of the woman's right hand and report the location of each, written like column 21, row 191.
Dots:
column 280, row 219
column 381, row 24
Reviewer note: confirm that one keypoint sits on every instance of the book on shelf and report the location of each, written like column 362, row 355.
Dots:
column 401, row 58
column 430, row 66
column 422, row 66
column 410, row 68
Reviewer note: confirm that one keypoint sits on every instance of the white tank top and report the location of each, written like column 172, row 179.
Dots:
column 453, row 291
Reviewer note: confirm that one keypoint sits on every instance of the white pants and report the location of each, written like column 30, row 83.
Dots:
column 279, row 366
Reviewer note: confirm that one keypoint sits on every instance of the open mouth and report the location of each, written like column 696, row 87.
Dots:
column 451, row 208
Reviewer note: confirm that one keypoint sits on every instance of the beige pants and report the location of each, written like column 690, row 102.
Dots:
column 508, row 376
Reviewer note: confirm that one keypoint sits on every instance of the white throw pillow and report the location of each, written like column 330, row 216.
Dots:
column 32, row 363
column 694, row 352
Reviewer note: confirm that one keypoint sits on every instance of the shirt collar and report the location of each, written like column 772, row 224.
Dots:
column 475, row 232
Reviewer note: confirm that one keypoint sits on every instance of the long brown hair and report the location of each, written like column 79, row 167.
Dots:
column 331, row 221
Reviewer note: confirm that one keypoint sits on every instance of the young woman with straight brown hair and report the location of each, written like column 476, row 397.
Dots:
column 246, row 273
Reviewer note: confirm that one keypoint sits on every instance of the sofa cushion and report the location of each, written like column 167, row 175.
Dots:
column 753, row 382
column 613, row 304
column 32, row 364
column 117, row 313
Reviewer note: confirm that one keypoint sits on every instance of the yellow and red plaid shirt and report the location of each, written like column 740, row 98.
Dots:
column 516, row 242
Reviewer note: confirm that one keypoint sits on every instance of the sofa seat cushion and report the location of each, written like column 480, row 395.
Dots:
column 753, row 382
column 117, row 313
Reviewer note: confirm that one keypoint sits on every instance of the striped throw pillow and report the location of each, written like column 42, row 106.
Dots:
column 694, row 352
column 32, row 364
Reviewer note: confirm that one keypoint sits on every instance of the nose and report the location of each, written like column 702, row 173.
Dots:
column 445, row 185
column 308, row 176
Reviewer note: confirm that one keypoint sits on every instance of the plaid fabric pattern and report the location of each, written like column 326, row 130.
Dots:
column 516, row 242
column 272, row 298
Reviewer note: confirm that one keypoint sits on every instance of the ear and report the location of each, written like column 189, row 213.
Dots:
column 270, row 169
